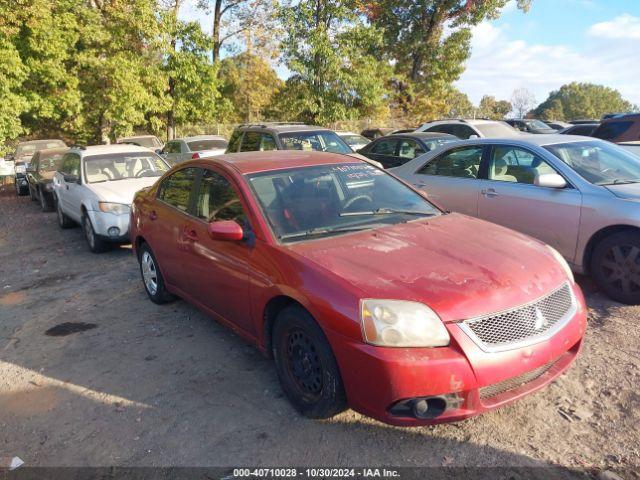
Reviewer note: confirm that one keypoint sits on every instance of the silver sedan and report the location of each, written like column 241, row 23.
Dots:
column 578, row 194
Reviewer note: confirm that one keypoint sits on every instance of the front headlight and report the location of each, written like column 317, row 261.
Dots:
column 397, row 323
column 562, row 262
column 115, row 208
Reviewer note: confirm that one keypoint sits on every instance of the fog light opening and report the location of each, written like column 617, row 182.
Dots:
column 114, row 232
column 423, row 408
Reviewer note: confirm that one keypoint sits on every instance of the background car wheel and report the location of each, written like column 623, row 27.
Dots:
column 31, row 195
column 96, row 244
column 63, row 220
column 19, row 190
column 45, row 202
column 306, row 366
column 152, row 277
column 615, row 266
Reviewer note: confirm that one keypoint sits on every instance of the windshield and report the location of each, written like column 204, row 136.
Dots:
column 497, row 130
column 122, row 166
column 600, row 163
column 538, row 125
column 201, row 145
column 324, row 141
column 31, row 148
column 353, row 140
column 151, row 142
column 325, row 200
column 438, row 142
column 51, row 162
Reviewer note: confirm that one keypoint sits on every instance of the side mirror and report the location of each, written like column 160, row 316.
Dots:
column 473, row 137
column 159, row 151
column 68, row 178
column 226, row 230
column 550, row 180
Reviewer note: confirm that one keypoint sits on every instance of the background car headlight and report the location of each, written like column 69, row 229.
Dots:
column 397, row 323
column 116, row 208
column 562, row 262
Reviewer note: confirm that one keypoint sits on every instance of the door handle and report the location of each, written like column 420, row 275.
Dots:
column 153, row 215
column 420, row 184
column 489, row 192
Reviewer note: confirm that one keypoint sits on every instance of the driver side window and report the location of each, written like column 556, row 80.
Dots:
column 217, row 200
column 516, row 165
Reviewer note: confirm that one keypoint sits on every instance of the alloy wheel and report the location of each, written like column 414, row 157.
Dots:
column 88, row 231
column 621, row 268
column 149, row 273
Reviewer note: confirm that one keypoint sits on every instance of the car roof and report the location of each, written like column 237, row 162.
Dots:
column 537, row 140
column 623, row 116
column 201, row 137
column 136, row 136
column 419, row 135
column 467, row 121
column 254, row 162
column 281, row 127
column 114, row 148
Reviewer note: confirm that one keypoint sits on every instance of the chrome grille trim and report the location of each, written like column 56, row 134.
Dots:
column 520, row 327
column 515, row 382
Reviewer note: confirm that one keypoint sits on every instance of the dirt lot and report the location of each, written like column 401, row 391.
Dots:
column 148, row 385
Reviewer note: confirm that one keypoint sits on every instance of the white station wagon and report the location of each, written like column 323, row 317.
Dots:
column 95, row 187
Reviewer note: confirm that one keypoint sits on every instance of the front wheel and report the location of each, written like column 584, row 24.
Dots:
column 306, row 367
column 96, row 244
column 152, row 277
column 615, row 267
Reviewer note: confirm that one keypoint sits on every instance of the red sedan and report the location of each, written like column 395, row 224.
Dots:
column 366, row 294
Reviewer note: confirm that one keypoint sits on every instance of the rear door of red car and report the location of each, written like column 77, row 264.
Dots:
column 219, row 270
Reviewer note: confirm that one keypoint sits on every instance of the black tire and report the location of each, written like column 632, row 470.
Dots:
column 63, row 220
column 159, row 294
column 94, row 242
column 615, row 267
column 20, row 192
column 31, row 194
column 307, row 369
column 45, row 202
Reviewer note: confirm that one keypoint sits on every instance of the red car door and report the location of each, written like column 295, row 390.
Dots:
column 169, row 218
column 219, row 270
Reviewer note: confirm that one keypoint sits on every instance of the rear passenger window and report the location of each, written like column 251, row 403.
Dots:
column 251, row 142
column 176, row 189
column 217, row 200
column 385, row 147
column 461, row 163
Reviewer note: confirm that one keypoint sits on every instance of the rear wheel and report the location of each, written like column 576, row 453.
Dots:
column 152, row 277
column 96, row 244
column 45, row 202
column 615, row 267
column 63, row 220
column 306, row 366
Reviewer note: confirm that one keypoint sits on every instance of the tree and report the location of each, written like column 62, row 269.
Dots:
column 459, row 105
column 522, row 100
column 337, row 72
column 494, row 109
column 249, row 83
column 581, row 100
column 12, row 103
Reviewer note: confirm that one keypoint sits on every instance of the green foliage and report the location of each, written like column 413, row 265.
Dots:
column 337, row 72
column 581, row 100
column 494, row 109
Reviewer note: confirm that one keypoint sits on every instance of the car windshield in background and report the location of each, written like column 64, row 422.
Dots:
column 123, row 166
column 319, row 141
column 147, row 142
column 50, row 163
column 497, row 130
column 538, row 125
column 352, row 140
column 311, row 202
column 600, row 163
column 201, row 145
column 31, row 148
column 438, row 142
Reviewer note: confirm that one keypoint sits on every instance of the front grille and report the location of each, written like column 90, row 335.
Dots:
column 515, row 382
column 523, row 325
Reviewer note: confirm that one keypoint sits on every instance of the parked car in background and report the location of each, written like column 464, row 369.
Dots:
column 633, row 147
column 95, row 185
column 397, row 149
column 530, row 125
column 373, row 133
column 585, row 129
column 182, row 149
column 557, row 124
column 620, row 128
column 336, row 268
column 582, row 121
column 355, row 141
column 465, row 129
column 402, row 130
column 148, row 141
column 22, row 158
column 42, row 168
column 578, row 195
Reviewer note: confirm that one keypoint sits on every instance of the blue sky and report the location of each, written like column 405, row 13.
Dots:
column 556, row 42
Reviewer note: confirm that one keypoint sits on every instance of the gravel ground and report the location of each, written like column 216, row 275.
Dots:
column 149, row 385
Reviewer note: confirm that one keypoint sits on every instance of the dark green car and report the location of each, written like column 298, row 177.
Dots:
column 44, row 164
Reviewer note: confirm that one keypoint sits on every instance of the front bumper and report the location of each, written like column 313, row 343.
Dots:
column 472, row 381
column 103, row 222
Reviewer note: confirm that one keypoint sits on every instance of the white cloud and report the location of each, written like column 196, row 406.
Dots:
column 623, row 27
column 499, row 64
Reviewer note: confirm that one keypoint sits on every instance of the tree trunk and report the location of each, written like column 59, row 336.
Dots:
column 217, row 14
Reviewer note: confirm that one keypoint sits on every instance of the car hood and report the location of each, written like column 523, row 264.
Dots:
column 121, row 191
column 629, row 191
column 460, row 266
